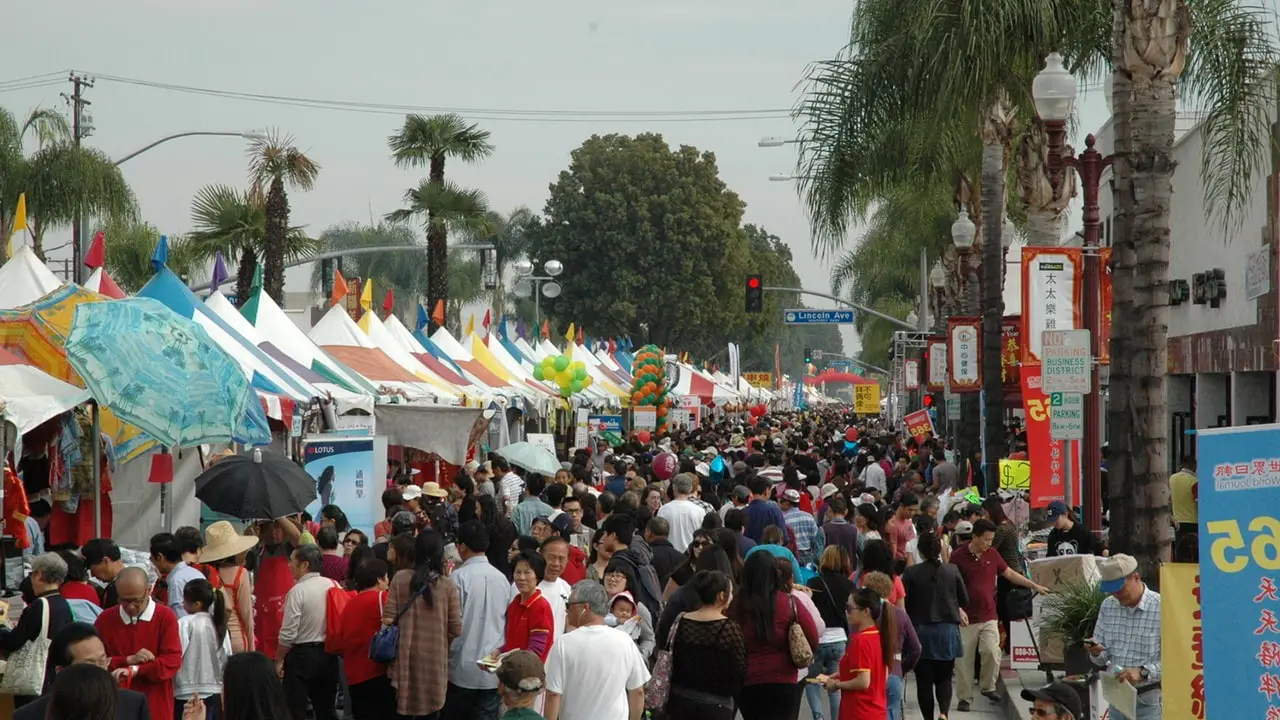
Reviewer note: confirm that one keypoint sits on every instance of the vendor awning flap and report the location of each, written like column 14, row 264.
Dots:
column 432, row 429
column 29, row 396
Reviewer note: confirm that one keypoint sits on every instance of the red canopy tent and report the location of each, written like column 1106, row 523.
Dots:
column 831, row 378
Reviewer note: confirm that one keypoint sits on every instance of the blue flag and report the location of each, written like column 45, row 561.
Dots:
column 160, row 257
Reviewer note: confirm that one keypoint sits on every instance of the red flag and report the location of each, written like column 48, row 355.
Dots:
column 546, row 328
column 437, row 315
column 485, row 323
column 579, row 336
column 97, row 255
column 389, row 303
column 613, row 346
column 339, row 288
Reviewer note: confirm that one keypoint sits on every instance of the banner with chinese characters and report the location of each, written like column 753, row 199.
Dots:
column 911, row 374
column 1182, row 641
column 1010, row 350
column 1104, row 317
column 866, row 399
column 1239, row 568
column 1051, row 286
column 919, row 424
column 759, row 379
column 1048, row 457
column 964, row 353
column 936, row 367
column 345, row 475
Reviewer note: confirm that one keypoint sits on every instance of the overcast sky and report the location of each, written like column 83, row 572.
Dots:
column 482, row 55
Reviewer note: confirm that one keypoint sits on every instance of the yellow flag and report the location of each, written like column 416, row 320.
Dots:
column 568, row 336
column 366, row 296
column 471, row 326
column 19, row 219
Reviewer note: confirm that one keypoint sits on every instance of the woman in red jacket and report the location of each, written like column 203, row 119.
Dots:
column 372, row 696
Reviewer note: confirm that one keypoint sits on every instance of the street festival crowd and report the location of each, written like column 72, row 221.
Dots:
column 802, row 557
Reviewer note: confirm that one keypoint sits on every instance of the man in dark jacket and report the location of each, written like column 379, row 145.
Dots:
column 666, row 558
column 618, row 535
column 77, row 644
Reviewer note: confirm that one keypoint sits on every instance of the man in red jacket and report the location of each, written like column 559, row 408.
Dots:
column 141, row 637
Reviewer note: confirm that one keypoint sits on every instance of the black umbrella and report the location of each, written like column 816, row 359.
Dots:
column 256, row 485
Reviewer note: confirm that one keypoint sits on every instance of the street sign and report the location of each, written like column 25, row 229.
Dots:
column 817, row 317
column 1066, row 357
column 1066, row 416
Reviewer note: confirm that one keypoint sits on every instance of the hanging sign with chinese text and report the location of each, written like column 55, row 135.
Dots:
column 1104, row 333
column 1010, row 350
column 911, row 374
column 964, row 353
column 1050, row 294
column 937, row 368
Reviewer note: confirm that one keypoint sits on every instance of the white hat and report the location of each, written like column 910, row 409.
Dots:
column 410, row 492
column 222, row 541
column 828, row 490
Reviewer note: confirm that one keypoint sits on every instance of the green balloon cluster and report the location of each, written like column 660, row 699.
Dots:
column 649, row 388
column 569, row 375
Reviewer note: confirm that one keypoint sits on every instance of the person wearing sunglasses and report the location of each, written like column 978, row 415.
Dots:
column 1058, row 701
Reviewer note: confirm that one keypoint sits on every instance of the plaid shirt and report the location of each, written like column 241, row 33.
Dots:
column 1131, row 637
column 807, row 534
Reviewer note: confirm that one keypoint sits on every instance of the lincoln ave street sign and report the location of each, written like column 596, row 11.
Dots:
column 1066, row 357
column 817, row 317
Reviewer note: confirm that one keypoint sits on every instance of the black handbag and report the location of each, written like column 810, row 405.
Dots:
column 1017, row 603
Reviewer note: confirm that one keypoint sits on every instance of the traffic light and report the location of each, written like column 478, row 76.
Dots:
column 755, row 294
column 808, row 356
column 928, row 401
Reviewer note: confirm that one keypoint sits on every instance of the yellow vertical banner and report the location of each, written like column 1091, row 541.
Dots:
column 1182, row 641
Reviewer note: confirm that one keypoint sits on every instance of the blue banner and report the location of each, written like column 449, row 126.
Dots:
column 605, row 423
column 343, row 468
column 1239, row 468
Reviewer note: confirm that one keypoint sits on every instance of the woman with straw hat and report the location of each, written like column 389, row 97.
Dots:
column 224, row 549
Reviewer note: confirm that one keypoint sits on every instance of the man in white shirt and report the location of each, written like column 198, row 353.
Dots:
column 594, row 672
column 310, row 673
column 683, row 514
column 873, row 475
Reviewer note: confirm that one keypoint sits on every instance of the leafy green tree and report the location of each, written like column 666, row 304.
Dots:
column 61, row 180
column 235, row 222
column 131, row 243
column 429, row 142
column 651, row 242
column 274, row 163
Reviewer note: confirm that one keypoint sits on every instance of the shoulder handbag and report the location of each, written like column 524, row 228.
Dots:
column 797, row 643
column 386, row 642
column 659, row 687
column 24, row 674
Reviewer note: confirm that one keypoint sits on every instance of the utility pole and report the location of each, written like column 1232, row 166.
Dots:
column 81, row 128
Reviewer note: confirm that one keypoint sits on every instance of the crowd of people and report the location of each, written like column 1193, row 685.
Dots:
column 800, row 558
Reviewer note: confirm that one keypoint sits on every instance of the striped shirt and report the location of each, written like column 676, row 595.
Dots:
column 512, row 486
column 807, row 534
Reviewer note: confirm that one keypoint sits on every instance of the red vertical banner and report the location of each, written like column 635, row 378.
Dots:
column 1048, row 457
column 1104, row 312
column 1010, row 350
column 964, row 353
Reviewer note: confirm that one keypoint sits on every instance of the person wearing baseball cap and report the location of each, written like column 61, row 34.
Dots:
column 521, row 677
column 1068, row 536
column 805, row 530
column 1127, row 633
column 1058, row 701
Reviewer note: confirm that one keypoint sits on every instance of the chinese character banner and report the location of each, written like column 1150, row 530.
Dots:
column 1050, row 294
column 1104, row 350
column 1239, row 567
column 1010, row 350
column 937, row 368
column 1181, row 641
column 345, row 476
column 964, row 353
column 1048, row 457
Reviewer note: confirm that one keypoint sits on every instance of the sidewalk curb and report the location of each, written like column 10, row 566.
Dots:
column 1008, row 706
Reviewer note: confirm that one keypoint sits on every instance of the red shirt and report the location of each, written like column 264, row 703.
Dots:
column 361, row 620
column 526, row 618
column 77, row 590
column 157, row 632
column 771, row 655
column 979, row 575
column 864, row 655
column 576, row 568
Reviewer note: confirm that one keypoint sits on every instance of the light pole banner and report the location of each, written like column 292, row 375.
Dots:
column 911, row 374
column 937, row 369
column 964, row 353
column 1052, row 279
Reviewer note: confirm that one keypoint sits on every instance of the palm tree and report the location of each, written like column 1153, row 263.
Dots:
column 443, row 208
column 234, row 223
column 61, row 180
column 402, row 272
column 430, row 141
column 274, row 162
column 130, row 245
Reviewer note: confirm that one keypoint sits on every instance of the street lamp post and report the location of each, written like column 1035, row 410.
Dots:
column 1054, row 92
column 963, row 232
column 538, row 285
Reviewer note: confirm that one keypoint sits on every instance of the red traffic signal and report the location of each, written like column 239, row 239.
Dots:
column 753, row 282
column 755, row 294
column 928, row 401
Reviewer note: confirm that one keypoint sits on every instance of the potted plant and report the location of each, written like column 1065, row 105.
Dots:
column 1069, row 614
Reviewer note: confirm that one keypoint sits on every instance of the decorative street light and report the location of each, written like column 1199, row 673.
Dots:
column 539, row 286
column 772, row 141
column 1054, row 92
column 963, row 231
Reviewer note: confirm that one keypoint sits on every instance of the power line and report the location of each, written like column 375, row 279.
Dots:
column 42, row 77
column 492, row 114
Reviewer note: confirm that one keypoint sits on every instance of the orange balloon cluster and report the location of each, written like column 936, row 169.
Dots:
column 650, row 387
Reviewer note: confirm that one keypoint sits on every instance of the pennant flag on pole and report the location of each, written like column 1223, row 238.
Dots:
column 160, row 257
column 19, row 219
column 437, row 314
column 546, row 328
column 389, row 303
column 422, row 318
column 218, row 276
column 568, row 336
column 485, row 323
column 471, row 326
column 340, row 288
column 502, row 327
column 97, row 255
column 366, row 296
column 579, row 336
column 521, row 329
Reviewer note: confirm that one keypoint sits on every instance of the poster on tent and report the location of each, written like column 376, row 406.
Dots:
column 581, row 428
column 347, row 474
column 608, row 428
column 644, row 418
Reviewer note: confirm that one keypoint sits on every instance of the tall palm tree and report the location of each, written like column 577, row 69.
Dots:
column 443, row 208
column 234, row 223
column 429, row 142
column 275, row 162
column 61, row 180
column 130, row 245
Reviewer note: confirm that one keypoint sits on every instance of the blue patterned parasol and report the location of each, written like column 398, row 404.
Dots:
column 162, row 372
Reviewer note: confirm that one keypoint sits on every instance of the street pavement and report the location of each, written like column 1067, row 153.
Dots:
column 1013, row 708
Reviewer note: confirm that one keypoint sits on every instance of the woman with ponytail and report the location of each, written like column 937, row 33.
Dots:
column 864, row 669
column 205, row 648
